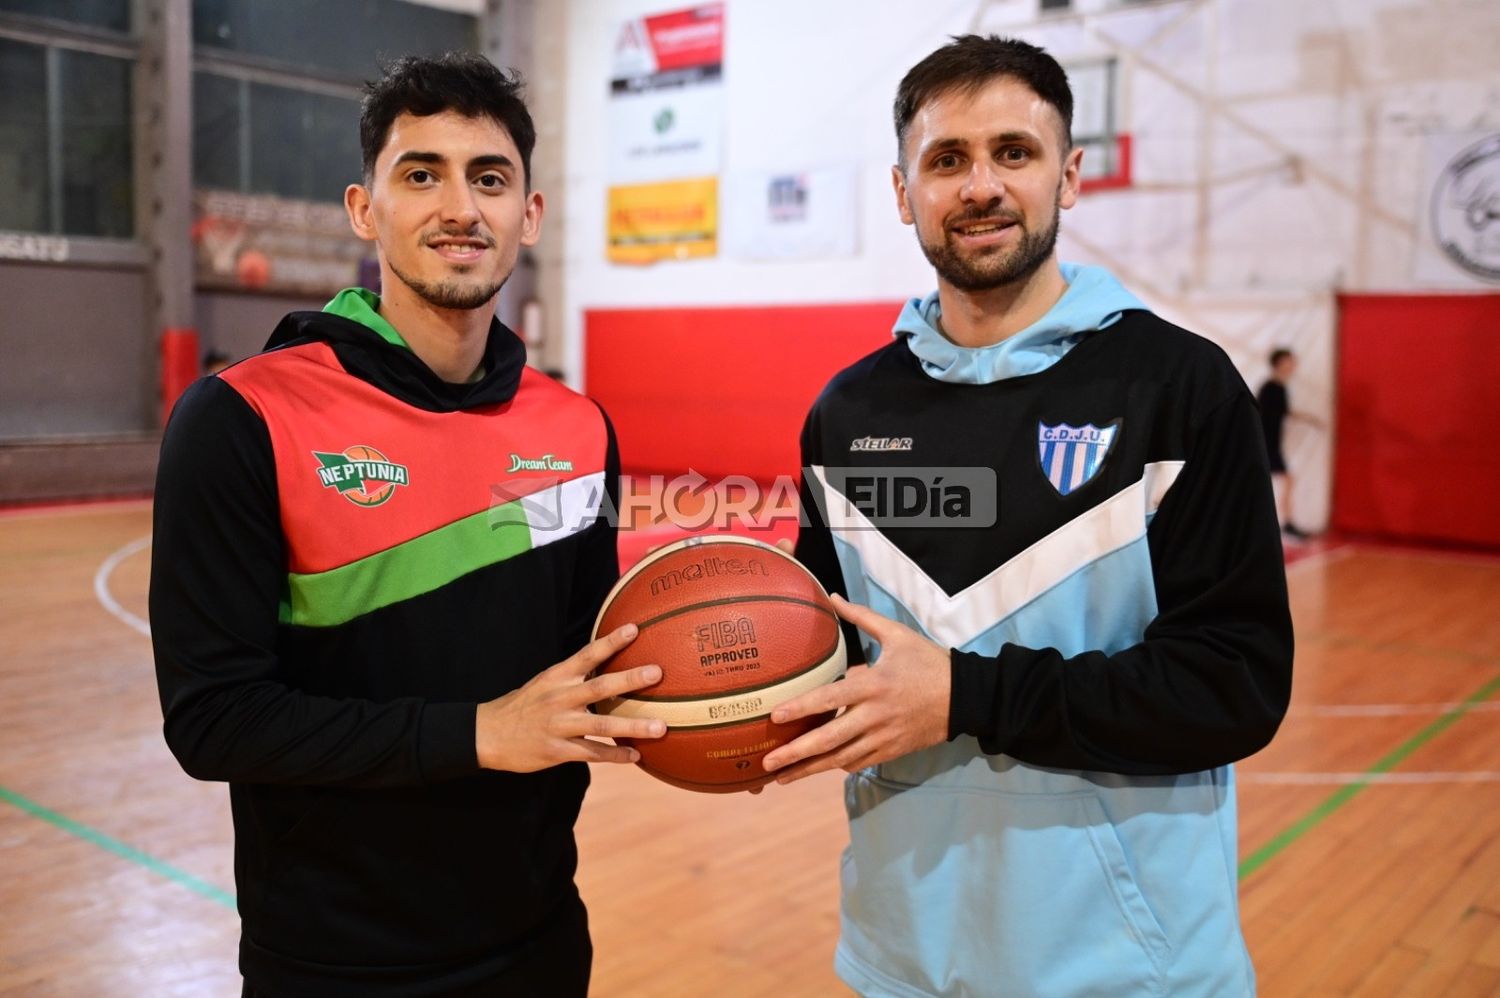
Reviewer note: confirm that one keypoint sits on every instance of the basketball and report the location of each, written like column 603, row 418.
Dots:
column 253, row 268
column 737, row 628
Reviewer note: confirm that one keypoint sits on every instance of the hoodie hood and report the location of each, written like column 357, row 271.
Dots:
column 371, row 349
column 1094, row 300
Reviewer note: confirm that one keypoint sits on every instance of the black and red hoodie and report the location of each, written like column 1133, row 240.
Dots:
column 349, row 556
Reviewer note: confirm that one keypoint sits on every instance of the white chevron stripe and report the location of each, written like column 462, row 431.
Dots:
column 956, row 620
column 563, row 509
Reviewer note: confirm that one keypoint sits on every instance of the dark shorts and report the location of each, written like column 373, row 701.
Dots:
column 556, row 964
column 1278, row 462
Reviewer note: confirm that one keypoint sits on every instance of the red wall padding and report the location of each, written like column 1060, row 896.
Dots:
column 722, row 391
column 180, row 366
column 1416, row 454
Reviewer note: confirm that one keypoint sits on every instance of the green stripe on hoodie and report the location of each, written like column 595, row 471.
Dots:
column 417, row 566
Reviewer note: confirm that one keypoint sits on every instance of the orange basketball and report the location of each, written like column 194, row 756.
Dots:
column 737, row 628
column 253, row 268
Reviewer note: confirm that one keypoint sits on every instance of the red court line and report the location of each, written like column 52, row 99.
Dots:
column 72, row 505
column 1293, row 553
column 1325, row 543
column 1387, row 545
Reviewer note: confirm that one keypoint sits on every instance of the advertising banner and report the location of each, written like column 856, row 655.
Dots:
column 666, row 126
column 671, row 220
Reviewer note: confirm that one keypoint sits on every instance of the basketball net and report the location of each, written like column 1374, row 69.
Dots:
column 221, row 239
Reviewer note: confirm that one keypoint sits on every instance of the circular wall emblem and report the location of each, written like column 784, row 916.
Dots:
column 1466, row 209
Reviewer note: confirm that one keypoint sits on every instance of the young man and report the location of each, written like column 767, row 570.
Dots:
column 1041, row 801
column 1275, row 409
column 358, row 592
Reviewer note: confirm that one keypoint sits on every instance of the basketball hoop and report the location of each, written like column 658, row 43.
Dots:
column 221, row 239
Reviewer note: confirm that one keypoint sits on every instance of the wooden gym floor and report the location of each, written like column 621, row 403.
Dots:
column 1370, row 829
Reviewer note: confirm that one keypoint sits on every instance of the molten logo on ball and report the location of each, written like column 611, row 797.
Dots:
column 708, row 568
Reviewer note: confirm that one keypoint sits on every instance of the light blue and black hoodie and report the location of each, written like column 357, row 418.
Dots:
column 1120, row 636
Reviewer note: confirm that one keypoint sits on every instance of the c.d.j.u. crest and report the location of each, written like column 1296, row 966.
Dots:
column 1072, row 455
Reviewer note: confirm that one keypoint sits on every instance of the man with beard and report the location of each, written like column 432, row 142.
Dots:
column 367, row 623
column 1064, row 665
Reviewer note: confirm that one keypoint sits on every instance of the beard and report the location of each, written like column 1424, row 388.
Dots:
column 993, row 268
column 453, row 293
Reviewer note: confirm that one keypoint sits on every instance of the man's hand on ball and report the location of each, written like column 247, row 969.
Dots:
column 898, row 706
column 548, row 720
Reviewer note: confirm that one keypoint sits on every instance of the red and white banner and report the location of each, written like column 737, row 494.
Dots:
column 668, row 50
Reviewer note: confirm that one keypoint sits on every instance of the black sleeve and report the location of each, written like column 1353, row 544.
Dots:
column 814, row 539
column 218, row 567
column 1209, row 684
column 1272, row 404
column 599, row 561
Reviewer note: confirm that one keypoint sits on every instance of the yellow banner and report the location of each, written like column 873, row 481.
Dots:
column 672, row 220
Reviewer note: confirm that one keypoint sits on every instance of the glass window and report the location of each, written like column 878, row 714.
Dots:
column 1093, row 86
column 263, row 119
column 347, row 38
column 23, row 138
column 302, row 145
column 259, row 139
column 112, row 14
column 218, row 159
column 65, row 154
column 96, row 173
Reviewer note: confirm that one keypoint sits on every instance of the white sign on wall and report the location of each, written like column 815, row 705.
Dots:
column 666, row 134
column 667, row 96
column 806, row 215
column 32, row 246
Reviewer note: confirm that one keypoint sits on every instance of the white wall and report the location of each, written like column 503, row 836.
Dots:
column 809, row 84
column 1279, row 158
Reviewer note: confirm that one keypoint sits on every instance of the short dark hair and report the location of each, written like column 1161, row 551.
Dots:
column 967, row 64
column 456, row 81
column 1279, row 354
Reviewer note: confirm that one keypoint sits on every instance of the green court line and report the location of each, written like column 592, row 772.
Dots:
column 1248, row 865
column 119, row 848
column 1340, row 797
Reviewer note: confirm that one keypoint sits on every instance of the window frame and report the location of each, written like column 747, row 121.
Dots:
column 245, row 71
column 1106, row 141
column 55, row 36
